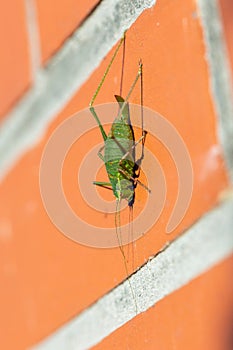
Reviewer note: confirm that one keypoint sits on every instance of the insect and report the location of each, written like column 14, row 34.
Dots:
column 119, row 152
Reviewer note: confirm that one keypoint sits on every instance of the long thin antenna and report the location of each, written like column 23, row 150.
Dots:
column 142, row 99
column 119, row 238
column 122, row 67
column 131, row 234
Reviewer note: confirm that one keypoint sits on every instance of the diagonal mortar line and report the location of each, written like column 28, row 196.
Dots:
column 57, row 82
column 205, row 244
column 220, row 77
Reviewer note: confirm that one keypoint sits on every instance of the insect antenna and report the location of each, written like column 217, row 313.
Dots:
column 119, row 238
column 142, row 111
column 130, row 235
column 118, row 225
column 122, row 65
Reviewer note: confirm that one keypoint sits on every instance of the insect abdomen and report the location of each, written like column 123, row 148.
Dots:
column 120, row 170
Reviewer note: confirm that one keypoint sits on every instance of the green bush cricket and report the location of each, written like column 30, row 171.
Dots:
column 119, row 153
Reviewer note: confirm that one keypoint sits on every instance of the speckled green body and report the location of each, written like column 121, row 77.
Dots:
column 119, row 142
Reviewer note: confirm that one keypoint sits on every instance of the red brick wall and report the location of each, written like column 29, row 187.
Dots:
column 46, row 278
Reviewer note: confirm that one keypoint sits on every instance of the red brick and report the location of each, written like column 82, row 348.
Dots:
column 197, row 316
column 14, row 58
column 58, row 19
column 56, row 278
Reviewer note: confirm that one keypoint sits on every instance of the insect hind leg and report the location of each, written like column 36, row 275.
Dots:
column 106, row 71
